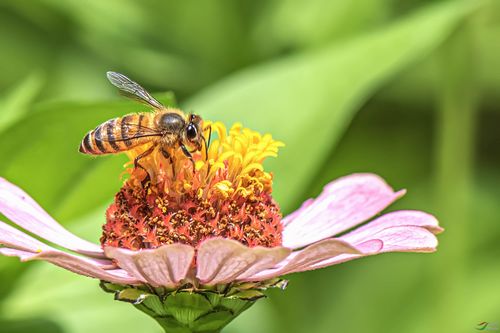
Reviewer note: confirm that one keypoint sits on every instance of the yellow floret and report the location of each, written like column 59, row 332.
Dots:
column 234, row 162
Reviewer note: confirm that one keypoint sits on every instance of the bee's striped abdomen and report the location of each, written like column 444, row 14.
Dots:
column 117, row 135
column 86, row 146
column 126, row 131
column 99, row 141
column 111, row 127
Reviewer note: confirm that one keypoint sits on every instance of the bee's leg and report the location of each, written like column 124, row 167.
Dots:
column 206, row 147
column 188, row 154
column 142, row 155
column 207, row 144
column 167, row 155
column 139, row 157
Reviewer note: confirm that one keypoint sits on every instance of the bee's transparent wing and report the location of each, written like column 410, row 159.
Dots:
column 132, row 89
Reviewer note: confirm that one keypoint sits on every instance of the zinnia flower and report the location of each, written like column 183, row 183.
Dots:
column 194, row 245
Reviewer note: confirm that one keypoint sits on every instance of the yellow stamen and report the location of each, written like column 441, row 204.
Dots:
column 240, row 153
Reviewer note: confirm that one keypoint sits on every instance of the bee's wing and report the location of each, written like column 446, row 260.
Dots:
column 132, row 89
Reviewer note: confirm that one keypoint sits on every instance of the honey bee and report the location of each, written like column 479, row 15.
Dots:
column 166, row 128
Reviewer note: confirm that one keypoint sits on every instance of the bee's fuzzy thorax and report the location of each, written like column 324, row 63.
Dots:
column 228, row 194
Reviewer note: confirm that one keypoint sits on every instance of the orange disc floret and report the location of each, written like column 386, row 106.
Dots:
column 225, row 194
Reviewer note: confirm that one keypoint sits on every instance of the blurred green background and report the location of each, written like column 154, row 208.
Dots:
column 406, row 89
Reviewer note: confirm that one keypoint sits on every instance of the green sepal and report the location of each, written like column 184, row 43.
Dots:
column 248, row 295
column 134, row 296
column 111, row 287
column 191, row 311
column 213, row 321
column 188, row 309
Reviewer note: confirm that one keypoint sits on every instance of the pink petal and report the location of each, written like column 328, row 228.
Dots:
column 407, row 239
column 301, row 260
column 15, row 238
column 400, row 231
column 342, row 205
column 393, row 239
column 222, row 260
column 165, row 266
column 23, row 255
column 80, row 265
column 290, row 217
column 394, row 219
column 21, row 209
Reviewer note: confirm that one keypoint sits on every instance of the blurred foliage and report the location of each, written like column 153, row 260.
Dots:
column 408, row 90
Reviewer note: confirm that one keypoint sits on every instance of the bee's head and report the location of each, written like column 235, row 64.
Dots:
column 193, row 131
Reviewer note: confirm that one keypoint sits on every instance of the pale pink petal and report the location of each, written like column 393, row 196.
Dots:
column 12, row 237
column 16, row 239
column 300, row 260
column 265, row 258
column 79, row 265
column 402, row 231
column 407, row 239
column 393, row 239
column 342, row 205
column 371, row 246
column 165, row 266
column 21, row 209
column 23, row 255
column 290, row 217
column 394, row 219
column 222, row 260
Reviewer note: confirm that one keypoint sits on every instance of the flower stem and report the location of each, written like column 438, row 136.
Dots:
column 455, row 150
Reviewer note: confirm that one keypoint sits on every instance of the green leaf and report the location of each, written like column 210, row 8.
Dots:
column 319, row 21
column 37, row 325
column 309, row 99
column 17, row 101
column 74, row 302
column 10, row 270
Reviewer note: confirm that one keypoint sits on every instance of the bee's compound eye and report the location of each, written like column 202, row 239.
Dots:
column 191, row 132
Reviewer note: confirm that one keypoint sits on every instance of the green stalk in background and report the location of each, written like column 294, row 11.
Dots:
column 456, row 123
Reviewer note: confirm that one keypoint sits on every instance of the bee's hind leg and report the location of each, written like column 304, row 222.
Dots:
column 167, row 155
column 188, row 154
column 137, row 165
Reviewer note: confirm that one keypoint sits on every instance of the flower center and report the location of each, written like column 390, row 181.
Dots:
column 228, row 194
